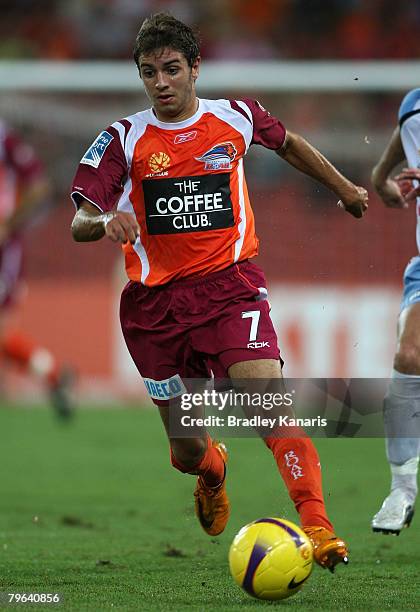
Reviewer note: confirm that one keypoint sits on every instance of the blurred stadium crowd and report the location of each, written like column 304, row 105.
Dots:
column 307, row 242
column 298, row 29
column 350, row 128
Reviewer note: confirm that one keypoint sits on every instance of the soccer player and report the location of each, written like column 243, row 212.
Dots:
column 168, row 183
column 402, row 402
column 24, row 190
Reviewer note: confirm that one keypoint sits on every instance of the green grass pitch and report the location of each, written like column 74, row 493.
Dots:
column 93, row 510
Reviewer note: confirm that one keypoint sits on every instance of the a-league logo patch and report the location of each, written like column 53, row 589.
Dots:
column 165, row 389
column 96, row 151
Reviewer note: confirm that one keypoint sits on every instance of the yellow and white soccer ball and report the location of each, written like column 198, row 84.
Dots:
column 271, row 558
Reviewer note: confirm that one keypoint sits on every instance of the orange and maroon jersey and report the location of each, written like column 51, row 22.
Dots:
column 184, row 182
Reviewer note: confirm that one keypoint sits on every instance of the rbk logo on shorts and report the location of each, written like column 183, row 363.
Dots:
column 219, row 157
column 188, row 204
column 186, row 137
column 165, row 389
column 96, row 151
column 258, row 345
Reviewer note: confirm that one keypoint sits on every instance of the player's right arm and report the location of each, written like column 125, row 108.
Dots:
column 97, row 189
column 390, row 190
column 90, row 224
column 269, row 132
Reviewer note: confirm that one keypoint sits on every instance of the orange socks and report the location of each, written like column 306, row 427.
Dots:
column 298, row 462
column 21, row 350
column 211, row 468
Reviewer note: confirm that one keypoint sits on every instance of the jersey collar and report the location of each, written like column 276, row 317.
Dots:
column 178, row 125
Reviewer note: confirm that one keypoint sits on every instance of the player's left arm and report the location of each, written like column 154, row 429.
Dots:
column 307, row 159
column 391, row 191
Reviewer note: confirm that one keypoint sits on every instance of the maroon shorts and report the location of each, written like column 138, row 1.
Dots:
column 190, row 328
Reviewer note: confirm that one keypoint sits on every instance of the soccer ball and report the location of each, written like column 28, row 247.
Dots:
column 271, row 558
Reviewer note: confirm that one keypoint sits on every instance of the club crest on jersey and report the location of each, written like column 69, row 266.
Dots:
column 158, row 163
column 219, row 157
column 185, row 137
column 96, row 151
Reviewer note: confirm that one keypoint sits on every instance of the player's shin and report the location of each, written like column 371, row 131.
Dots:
column 210, row 499
column 402, row 428
column 211, row 467
column 298, row 463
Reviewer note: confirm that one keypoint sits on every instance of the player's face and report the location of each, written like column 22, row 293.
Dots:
column 170, row 83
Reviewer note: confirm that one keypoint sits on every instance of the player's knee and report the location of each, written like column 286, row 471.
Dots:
column 407, row 358
column 186, row 454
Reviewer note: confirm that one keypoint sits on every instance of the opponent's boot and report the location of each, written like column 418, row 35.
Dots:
column 396, row 513
column 212, row 505
column 329, row 550
column 60, row 392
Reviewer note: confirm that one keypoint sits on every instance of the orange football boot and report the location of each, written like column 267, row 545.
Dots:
column 212, row 505
column 329, row 550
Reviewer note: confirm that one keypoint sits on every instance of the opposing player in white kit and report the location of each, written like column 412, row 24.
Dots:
column 402, row 402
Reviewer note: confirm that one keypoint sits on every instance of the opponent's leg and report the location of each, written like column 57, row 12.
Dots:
column 207, row 459
column 402, row 427
column 299, row 465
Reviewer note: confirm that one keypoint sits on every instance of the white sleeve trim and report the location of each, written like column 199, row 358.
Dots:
column 242, row 212
column 246, row 108
column 85, row 198
column 121, row 131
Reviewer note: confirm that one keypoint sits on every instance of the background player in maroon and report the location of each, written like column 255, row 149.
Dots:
column 195, row 323
column 24, row 190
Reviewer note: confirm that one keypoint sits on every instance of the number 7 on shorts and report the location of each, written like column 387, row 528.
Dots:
column 255, row 316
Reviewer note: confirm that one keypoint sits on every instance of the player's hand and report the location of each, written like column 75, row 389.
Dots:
column 405, row 183
column 391, row 193
column 356, row 204
column 121, row 226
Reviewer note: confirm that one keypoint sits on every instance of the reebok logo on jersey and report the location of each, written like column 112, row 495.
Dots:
column 96, row 151
column 186, row 137
column 165, row 389
column 188, row 204
column 219, row 157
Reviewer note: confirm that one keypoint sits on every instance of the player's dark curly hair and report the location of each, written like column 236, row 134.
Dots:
column 163, row 30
